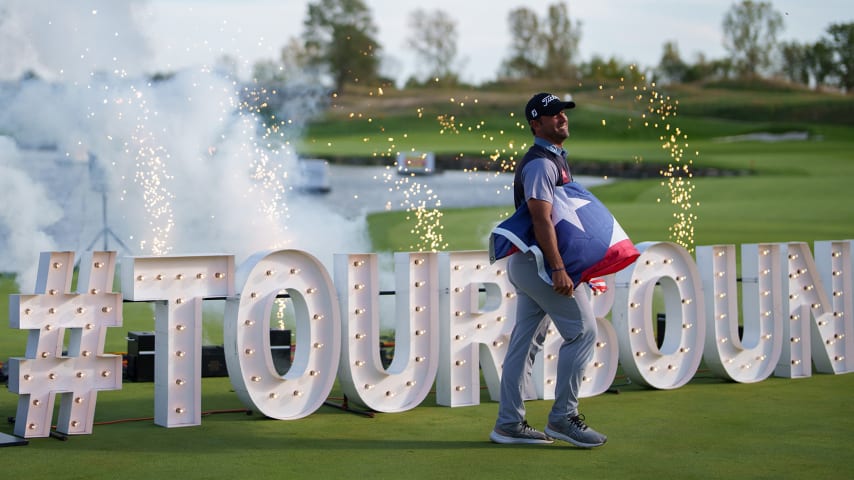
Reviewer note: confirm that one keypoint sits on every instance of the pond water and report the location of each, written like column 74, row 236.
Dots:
column 357, row 190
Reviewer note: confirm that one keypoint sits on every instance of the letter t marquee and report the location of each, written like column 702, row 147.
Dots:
column 177, row 286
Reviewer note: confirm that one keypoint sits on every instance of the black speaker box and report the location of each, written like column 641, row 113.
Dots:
column 280, row 350
column 140, row 342
column 140, row 357
column 140, row 367
column 213, row 361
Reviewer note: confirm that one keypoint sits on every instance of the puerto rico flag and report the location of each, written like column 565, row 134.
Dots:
column 589, row 238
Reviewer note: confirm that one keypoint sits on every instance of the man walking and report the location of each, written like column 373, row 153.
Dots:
column 543, row 168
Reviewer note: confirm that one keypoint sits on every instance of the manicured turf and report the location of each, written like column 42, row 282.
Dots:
column 710, row 428
column 779, row 428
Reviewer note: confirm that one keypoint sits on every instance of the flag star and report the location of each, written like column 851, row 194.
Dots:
column 565, row 208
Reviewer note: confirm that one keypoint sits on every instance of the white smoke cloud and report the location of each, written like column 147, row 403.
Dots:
column 182, row 163
column 70, row 40
column 26, row 211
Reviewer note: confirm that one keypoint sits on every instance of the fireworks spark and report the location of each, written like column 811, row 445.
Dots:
column 660, row 111
column 502, row 146
column 152, row 176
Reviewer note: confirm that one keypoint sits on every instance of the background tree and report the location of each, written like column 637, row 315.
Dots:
column 295, row 57
column 841, row 42
column 671, row 68
column 822, row 64
column 338, row 37
column 433, row 38
column 561, row 40
column 750, row 35
column 601, row 70
column 541, row 47
column 293, row 64
column 526, row 54
column 794, row 62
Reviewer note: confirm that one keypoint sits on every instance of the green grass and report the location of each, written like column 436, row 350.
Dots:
column 753, row 209
column 778, row 428
column 709, row 428
column 486, row 123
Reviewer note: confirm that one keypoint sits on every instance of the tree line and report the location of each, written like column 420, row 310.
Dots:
column 339, row 43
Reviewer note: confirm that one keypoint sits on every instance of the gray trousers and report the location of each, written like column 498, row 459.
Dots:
column 575, row 321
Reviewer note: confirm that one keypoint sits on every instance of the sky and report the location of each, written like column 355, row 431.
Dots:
column 188, row 31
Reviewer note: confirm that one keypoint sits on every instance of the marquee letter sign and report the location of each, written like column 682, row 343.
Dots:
column 749, row 357
column 454, row 313
column 675, row 363
column 835, row 269
column 247, row 340
column 475, row 328
column 177, row 287
column 78, row 373
column 416, row 347
column 812, row 330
